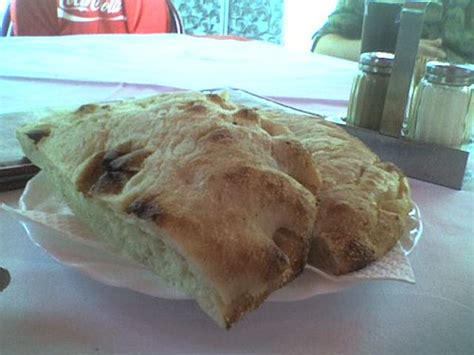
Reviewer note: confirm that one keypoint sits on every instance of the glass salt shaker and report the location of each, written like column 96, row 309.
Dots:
column 442, row 109
column 369, row 89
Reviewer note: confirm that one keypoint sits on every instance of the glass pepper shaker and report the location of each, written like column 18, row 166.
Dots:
column 369, row 89
column 442, row 108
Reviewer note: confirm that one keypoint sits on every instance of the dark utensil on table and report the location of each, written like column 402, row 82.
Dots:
column 15, row 174
column 4, row 279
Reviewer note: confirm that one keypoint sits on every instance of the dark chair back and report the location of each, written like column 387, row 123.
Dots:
column 176, row 21
column 7, row 27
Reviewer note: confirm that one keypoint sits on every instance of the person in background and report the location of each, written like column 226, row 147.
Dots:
column 448, row 32
column 69, row 17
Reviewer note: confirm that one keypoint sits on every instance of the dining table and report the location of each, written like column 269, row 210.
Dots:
column 51, row 308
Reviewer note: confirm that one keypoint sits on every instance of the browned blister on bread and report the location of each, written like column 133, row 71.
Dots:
column 364, row 203
column 218, row 200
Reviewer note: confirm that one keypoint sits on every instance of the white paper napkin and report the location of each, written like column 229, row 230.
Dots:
column 50, row 224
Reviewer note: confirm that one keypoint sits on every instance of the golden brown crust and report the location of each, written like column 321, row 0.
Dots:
column 364, row 202
column 234, row 196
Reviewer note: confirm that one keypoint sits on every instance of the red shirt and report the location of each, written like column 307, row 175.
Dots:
column 67, row 17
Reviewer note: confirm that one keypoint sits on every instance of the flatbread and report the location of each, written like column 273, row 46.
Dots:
column 364, row 202
column 216, row 199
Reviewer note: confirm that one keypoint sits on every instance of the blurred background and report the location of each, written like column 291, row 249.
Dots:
column 290, row 23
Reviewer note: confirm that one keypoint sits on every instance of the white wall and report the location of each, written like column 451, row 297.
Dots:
column 302, row 19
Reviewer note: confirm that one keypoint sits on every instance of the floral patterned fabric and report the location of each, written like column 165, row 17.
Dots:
column 257, row 19
column 201, row 17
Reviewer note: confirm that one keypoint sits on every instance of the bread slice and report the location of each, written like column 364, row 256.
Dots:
column 217, row 200
column 364, row 202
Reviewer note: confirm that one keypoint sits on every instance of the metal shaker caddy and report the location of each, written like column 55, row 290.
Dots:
column 380, row 97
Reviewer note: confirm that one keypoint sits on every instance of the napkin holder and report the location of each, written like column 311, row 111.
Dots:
column 432, row 163
column 427, row 162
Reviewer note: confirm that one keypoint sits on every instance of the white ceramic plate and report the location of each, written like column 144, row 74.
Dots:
column 51, row 225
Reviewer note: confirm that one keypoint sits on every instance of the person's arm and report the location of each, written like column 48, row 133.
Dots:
column 340, row 35
column 34, row 17
column 337, row 46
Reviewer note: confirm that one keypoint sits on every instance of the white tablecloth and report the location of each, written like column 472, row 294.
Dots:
column 166, row 60
column 51, row 309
